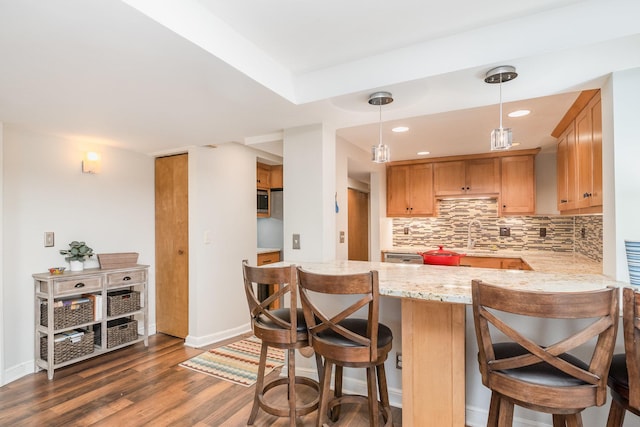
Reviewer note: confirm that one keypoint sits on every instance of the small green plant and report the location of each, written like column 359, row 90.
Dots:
column 77, row 251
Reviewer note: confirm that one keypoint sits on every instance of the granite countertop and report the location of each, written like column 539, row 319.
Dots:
column 453, row 284
column 267, row 250
column 540, row 261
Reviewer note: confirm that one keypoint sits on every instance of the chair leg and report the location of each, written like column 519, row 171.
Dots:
column 573, row 420
column 505, row 417
column 372, row 397
column 494, row 410
column 616, row 414
column 292, row 387
column 325, row 388
column 384, row 393
column 337, row 392
column 259, row 383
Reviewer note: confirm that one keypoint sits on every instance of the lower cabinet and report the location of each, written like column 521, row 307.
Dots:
column 79, row 315
column 266, row 290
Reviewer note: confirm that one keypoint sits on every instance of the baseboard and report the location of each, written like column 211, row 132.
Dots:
column 477, row 417
column 18, row 371
column 202, row 341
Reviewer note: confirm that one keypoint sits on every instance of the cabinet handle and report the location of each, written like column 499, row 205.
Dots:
column 79, row 285
column 180, row 251
column 125, row 278
column 462, row 188
column 563, row 201
column 467, row 188
column 504, row 206
column 267, row 261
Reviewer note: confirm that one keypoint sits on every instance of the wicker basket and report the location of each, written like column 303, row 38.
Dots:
column 118, row 260
column 66, row 349
column 121, row 331
column 68, row 315
column 123, row 301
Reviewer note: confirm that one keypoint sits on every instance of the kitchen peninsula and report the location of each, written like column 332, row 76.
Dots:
column 433, row 304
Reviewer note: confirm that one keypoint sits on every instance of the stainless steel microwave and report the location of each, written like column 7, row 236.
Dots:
column 263, row 201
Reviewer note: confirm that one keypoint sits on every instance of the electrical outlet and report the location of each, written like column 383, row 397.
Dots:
column 543, row 232
column 406, row 230
column 296, row 241
column 583, row 232
column 399, row 360
column 342, row 237
column 48, row 239
column 505, row 231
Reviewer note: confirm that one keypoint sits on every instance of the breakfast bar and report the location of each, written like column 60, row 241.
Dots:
column 434, row 300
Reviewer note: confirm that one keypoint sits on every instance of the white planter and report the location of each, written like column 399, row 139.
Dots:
column 76, row 265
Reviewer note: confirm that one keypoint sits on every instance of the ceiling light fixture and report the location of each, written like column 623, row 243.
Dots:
column 423, row 153
column 400, row 129
column 380, row 152
column 501, row 137
column 519, row 113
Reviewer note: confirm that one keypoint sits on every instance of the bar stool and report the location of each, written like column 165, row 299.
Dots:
column 624, row 374
column 280, row 328
column 347, row 341
column 544, row 378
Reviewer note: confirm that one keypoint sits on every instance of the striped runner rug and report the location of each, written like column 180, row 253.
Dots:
column 236, row 362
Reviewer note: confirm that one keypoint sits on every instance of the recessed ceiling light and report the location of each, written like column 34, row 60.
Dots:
column 423, row 153
column 519, row 113
column 400, row 129
column 515, row 144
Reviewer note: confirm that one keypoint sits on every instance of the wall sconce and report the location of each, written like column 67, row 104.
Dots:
column 91, row 162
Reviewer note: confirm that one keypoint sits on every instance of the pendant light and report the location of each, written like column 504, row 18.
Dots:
column 380, row 152
column 501, row 138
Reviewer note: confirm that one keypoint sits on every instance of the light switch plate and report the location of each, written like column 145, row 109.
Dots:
column 48, row 239
column 296, row 241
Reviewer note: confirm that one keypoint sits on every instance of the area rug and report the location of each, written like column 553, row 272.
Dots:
column 236, row 362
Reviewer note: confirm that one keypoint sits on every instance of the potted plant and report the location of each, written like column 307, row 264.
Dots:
column 76, row 254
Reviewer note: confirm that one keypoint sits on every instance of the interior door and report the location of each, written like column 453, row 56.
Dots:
column 172, row 245
column 358, row 225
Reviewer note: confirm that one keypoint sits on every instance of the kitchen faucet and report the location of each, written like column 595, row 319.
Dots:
column 471, row 243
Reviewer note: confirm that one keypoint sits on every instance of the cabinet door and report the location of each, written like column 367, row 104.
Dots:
column 262, row 176
column 561, row 172
column 518, row 185
column 421, row 189
column 397, row 190
column 449, row 178
column 482, row 176
column 275, row 178
column 585, row 159
column 567, row 169
column 596, row 151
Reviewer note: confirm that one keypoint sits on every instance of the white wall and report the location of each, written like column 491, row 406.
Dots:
column 222, row 232
column 45, row 190
column 309, row 197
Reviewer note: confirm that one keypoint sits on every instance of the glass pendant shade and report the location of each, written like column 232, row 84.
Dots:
column 380, row 153
column 501, row 139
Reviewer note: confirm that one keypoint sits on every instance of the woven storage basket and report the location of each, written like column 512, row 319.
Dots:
column 68, row 315
column 118, row 260
column 121, row 331
column 123, row 301
column 66, row 349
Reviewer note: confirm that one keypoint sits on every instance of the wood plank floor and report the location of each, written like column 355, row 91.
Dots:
column 139, row 386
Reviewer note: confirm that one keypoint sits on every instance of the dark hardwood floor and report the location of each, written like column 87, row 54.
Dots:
column 139, row 386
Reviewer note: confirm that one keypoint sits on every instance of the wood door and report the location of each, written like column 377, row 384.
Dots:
column 482, row 176
column 518, row 195
column 172, row 245
column 397, row 191
column 358, row 227
column 448, row 178
column 421, row 189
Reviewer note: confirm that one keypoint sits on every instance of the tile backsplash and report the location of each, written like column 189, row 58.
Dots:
column 562, row 233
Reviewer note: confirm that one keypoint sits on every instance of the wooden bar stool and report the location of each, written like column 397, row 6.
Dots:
column 544, row 378
column 624, row 374
column 280, row 328
column 344, row 340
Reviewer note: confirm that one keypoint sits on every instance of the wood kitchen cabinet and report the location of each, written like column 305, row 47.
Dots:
column 265, row 290
column 518, row 187
column 263, row 174
column 276, row 178
column 474, row 176
column 579, row 159
column 410, row 190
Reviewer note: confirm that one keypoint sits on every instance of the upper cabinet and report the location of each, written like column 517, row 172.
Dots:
column 410, row 190
column 518, row 185
column 579, row 159
column 263, row 173
column 413, row 186
column 474, row 176
column 269, row 177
